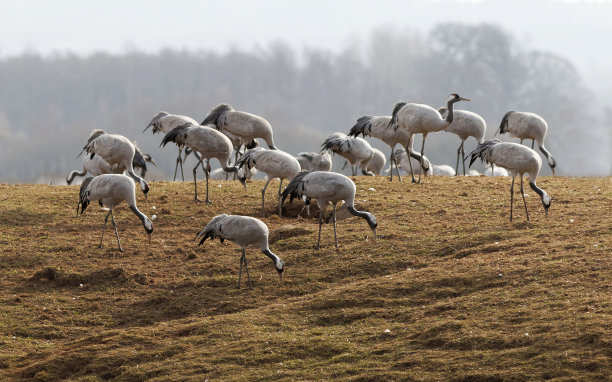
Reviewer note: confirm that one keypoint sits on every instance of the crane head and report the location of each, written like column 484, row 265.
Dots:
column 454, row 97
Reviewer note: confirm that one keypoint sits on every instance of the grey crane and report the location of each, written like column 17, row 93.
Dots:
column 465, row 124
column 117, row 151
column 244, row 231
column 418, row 118
column 245, row 125
column 524, row 125
column 275, row 164
column 164, row 122
column 518, row 160
column 141, row 159
column 97, row 166
column 377, row 163
column 206, row 141
column 311, row 161
column 110, row 190
column 401, row 158
column 378, row 127
column 327, row 187
column 357, row 151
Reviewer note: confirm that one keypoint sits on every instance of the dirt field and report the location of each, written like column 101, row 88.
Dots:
column 451, row 290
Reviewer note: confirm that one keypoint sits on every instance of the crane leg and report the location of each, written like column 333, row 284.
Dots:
column 391, row 159
column 179, row 161
column 103, row 228
column 512, row 196
column 334, row 221
column 206, row 172
column 422, row 151
column 410, row 163
column 280, row 206
column 463, row 157
column 263, row 198
column 115, row 226
column 457, row 166
column 320, row 224
column 524, row 201
column 195, row 183
column 246, row 265
column 240, row 272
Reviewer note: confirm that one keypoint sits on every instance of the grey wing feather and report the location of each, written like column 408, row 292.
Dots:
column 212, row 229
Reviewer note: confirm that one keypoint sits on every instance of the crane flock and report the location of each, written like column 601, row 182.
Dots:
column 225, row 131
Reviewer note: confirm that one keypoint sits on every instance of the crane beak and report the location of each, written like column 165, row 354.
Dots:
column 280, row 277
column 149, row 239
column 464, row 99
column 374, row 230
column 145, row 129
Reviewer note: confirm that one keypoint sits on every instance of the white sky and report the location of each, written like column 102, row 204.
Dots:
column 577, row 30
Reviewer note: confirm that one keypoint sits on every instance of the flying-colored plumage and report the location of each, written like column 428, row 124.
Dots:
column 244, row 231
column 245, row 125
column 465, row 124
column 208, row 142
column 110, row 190
column 275, row 164
column 118, row 152
column 518, row 160
column 422, row 119
column 524, row 125
column 327, row 187
column 357, row 151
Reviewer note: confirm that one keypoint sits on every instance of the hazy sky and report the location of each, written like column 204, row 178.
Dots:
column 578, row 30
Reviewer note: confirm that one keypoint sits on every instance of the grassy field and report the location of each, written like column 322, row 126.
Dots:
column 451, row 290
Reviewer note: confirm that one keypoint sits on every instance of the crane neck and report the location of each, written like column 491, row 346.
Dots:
column 146, row 222
column 449, row 114
column 368, row 217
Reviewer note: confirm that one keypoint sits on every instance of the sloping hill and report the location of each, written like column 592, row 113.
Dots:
column 450, row 291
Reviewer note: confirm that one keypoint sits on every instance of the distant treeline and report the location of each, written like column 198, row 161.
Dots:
column 48, row 105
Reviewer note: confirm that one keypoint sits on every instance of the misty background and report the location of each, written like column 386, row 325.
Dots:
column 53, row 93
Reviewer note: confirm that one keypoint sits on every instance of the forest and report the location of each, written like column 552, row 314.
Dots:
column 49, row 104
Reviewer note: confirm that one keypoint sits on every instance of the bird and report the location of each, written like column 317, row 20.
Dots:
column 242, row 124
column 422, row 119
column 525, row 125
column 221, row 174
column 378, row 127
column 357, row 151
column 327, row 187
column 116, row 150
column 311, row 161
column 400, row 157
column 98, row 166
column 465, row 124
column 428, row 168
column 110, row 190
column 140, row 160
column 518, row 160
column 377, row 163
column 495, row 171
column 275, row 164
column 442, row 170
column 244, row 231
column 206, row 141
column 165, row 122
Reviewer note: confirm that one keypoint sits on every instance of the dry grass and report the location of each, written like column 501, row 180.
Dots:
column 451, row 291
